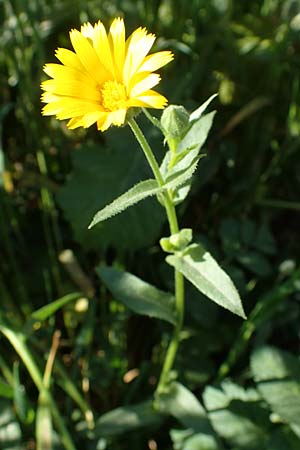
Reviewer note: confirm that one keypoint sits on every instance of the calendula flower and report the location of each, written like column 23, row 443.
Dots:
column 104, row 76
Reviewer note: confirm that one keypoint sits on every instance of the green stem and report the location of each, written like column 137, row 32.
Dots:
column 169, row 205
column 179, row 280
column 18, row 342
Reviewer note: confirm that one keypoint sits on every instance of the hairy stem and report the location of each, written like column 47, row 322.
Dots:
column 179, row 280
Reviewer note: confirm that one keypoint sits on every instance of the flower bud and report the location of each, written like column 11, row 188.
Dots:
column 178, row 241
column 175, row 122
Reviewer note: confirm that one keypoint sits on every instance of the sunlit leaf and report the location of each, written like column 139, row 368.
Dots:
column 200, row 268
column 181, row 403
column 127, row 418
column 277, row 374
column 141, row 191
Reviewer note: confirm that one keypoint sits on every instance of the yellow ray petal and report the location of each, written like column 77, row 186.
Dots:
column 136, row 102
column 92, row 117
column 153, row 62
column 105, row 124
column 102, row 48
column 153, row 99
column 69, row 58
column 87, row 30
column 72, row 88
column 117, row 41
column 48, row 97
column 118, row 117
column 51, row 109
column 88, row 57
column 144, row 84
column 71, row 107
column 75, row 123
column 101, row 121
column 138, row 46
column 64, row 73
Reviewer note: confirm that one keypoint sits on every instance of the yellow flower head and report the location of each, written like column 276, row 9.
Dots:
column 104, row 76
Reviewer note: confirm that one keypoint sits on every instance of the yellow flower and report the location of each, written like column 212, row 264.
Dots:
column 104, row 77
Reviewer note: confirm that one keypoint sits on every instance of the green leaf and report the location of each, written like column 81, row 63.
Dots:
column 197, row 134
column 137, row 295
column 137, row 193
column 277, row 374
column 141, row 191
column 99, row 176
column 265, row 241
column 187, row 152
column 21, row 402
column 5, row 390
column 127, row 418
column 1, row 167
column 188, row 440
column 195, row 115
column 230, row 236
column 237, row 416
column 255, row 262
column 182, row 404
column 48, row 310
column 200, row 268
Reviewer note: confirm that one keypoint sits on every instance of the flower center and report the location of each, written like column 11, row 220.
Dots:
column 113, row 95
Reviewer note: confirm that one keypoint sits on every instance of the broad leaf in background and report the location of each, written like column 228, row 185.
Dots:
column 237, row 416
column 137, row 295
column 99, row 176
column 188, row 440
column 182, row 404
column 200, row 268
column 10, row 431
column 277, row 374
column 127, row 418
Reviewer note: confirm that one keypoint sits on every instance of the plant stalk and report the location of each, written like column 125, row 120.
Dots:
column 18, row 342
column 179, row 280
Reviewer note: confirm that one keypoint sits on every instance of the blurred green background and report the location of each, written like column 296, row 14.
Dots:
column 244, row 207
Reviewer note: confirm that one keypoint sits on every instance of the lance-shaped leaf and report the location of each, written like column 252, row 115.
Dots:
column 195, row 115
column 137, row 295
column 197, row 134
column 141, row 191
column 46, row 311
column 200, row 268
column 134, row 195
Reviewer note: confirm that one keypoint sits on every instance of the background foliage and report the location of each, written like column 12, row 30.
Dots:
column 244, row 207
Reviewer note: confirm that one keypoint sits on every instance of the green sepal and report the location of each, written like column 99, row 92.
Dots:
column 177, row 241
